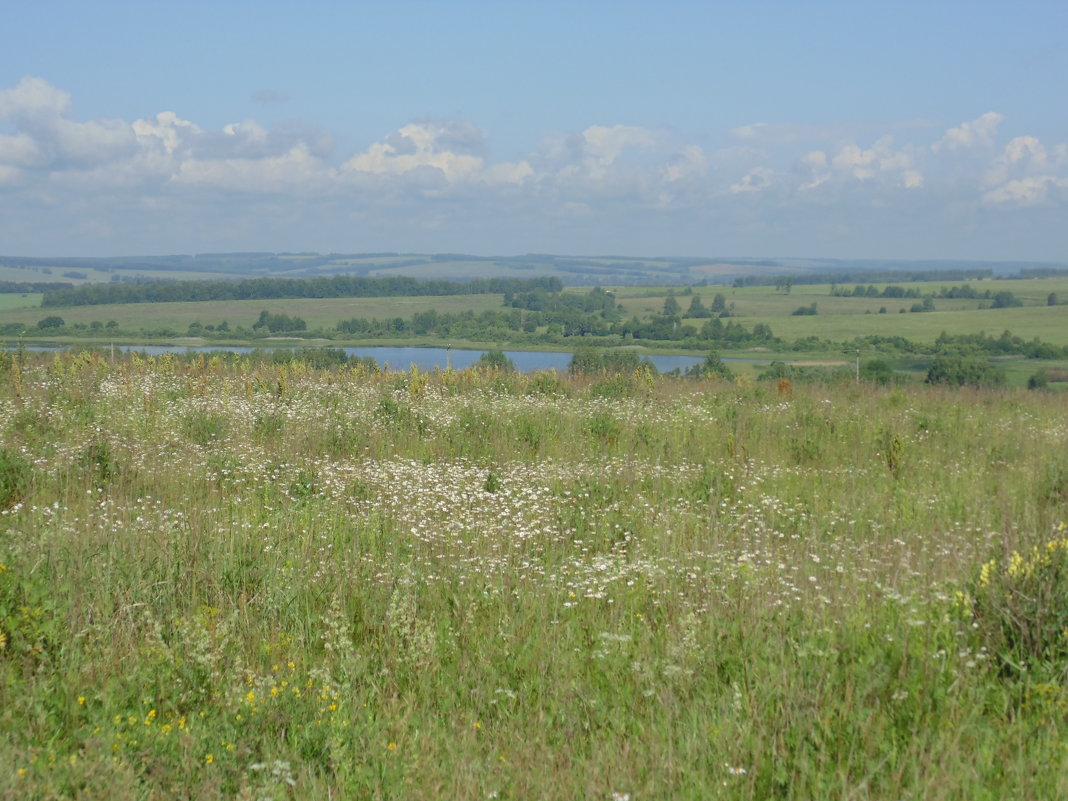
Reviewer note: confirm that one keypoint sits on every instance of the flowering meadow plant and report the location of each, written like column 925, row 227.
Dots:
column 221, row 579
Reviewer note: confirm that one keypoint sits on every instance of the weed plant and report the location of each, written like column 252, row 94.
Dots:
column 257, row 581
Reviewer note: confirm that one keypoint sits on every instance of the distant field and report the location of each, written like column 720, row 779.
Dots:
column 318, row 313
column 94, row 276
column 448, row 270
column 14, row 300
column 843, row 318
column 1049, row 324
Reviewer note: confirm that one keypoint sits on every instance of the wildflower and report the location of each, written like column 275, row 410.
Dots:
column 984, row 573
column 209, row 758
column 392, row 746
column 81, row 700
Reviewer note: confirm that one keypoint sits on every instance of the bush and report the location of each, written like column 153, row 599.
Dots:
column 1038, row 381
column 495, row 360
column 1020, row 607
column 15, row 473
column 712, row 367
column 957, row 371
column 593, row 360
column 51, row 322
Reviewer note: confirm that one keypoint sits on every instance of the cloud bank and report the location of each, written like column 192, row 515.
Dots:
column 167, row 183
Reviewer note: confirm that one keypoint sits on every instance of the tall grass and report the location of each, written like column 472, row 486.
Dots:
column 277, row 582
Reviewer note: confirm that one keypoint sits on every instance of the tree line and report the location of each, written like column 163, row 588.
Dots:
column 337, row 286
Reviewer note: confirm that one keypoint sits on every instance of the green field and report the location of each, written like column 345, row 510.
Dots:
column 839, row 320
column 219, row 580
column 843, row 318
column 319, row 312
column 14, row 300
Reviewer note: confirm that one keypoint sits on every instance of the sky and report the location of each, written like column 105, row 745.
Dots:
column 879, row 130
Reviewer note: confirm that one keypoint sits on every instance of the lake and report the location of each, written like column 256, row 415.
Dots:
column 402, row 358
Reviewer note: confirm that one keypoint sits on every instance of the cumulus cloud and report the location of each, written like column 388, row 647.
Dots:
column 1026, row 173
column 167, row 164
column 689, row 162
column 46, row 136
column 444, row 146
column 978, row 133
column 881, row 164
column 296, row 171
column 33, row 99
column 166, row 129
column 756, row 180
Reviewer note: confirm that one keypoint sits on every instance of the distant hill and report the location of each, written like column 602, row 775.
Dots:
column 24, row 272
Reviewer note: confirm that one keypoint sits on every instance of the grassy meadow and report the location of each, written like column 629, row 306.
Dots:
column 318, row 312
column 223, row 580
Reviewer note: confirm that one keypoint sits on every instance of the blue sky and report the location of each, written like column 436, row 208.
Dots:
column 850, row 130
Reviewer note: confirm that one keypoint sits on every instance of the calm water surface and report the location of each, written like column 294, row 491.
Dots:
column 401, row 358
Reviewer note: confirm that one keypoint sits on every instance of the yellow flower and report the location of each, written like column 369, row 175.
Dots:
column 209, row 758
column 81, row 700
column 392, row 746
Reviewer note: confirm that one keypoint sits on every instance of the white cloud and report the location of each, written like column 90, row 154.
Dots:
column 167, row 128
column 19, row 150
column 689, row 162
column 436, row 145
column 1024, row 173
column 9, row 174
column 167, row 169
column 33, row 99
column 756, row 180
column 1020, row 192
column 881, row 159
column 296, row 171
column 40, row 111
column 978, row 133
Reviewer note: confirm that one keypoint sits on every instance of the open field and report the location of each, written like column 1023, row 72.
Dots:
column 13, row 300
column 89, row 275
column 842, row 318
column 319, row 312
column 1048, row 323
column 225, row 581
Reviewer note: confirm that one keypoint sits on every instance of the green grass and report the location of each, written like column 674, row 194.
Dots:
column 225, row 581
column 318, row 313
column 1048, row 323
column 13, row 300
column 843, row 318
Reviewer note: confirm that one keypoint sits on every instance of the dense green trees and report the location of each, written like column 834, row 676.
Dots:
column 960, row 371
column 337, row 286
column 278, row 323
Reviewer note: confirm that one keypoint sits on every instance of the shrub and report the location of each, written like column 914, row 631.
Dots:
column 1020, row 606
column 495, row 360
column 712, row 367
column 1038, row 380
column 15, row 474
column 957, row 371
